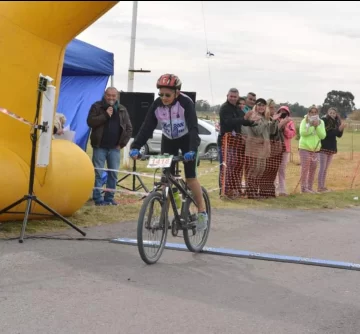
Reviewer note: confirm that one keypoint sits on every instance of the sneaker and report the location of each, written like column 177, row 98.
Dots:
column 202, row 221
column 112, row 202
column 100, row 203
column 308, row 191
column 324, row 190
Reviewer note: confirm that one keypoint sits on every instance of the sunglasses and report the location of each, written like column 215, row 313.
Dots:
column 166, row 95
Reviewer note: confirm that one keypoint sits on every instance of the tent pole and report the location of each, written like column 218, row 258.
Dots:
column 112, row 81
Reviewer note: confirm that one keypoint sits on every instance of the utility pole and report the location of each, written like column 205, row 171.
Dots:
column 132, row 48
column 131, row 73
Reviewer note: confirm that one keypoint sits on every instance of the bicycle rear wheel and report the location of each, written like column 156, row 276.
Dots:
column 155, row 224
column 195, row 240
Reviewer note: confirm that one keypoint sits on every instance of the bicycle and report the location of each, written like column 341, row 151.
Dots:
column 163, row 194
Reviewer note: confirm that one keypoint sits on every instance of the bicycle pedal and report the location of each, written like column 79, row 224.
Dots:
column 189, row 226
column 193, row 217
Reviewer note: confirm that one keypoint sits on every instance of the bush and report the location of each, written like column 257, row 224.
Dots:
column 355, row 115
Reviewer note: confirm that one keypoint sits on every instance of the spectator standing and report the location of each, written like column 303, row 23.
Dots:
column 111, row 130
column 257, row 148
column 242, row 103
column 250, row 102
column 334, row 128
column 312, row 131
column 287, row 127
column 277, row 147
column 231, row 121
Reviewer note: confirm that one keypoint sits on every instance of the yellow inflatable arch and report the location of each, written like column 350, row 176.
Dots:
column 33, row 39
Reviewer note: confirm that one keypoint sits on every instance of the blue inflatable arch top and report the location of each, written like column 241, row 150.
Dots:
column 85, row 75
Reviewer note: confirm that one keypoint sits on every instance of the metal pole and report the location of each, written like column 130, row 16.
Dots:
column 112, row 81
column 126, row 159
column 252, row 255
column 352, row 143
column 132, row 48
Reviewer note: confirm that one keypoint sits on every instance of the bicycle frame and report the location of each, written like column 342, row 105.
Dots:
column 166, row 184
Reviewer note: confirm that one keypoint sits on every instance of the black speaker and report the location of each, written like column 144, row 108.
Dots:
column 192, row 95
column 137, row 105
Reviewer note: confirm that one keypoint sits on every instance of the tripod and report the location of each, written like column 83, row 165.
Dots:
column 30, row 197
column 134, row 188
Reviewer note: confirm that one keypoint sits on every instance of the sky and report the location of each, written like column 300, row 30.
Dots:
column 292, row 51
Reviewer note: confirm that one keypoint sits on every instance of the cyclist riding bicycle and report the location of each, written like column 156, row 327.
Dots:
column 176, row 113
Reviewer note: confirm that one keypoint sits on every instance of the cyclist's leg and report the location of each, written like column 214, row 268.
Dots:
column 190, row 168
column 194, row 184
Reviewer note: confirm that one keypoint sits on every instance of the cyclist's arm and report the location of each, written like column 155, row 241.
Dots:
column 146, row 129
column 192, row 124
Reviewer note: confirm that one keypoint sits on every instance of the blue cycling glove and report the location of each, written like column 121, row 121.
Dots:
column 134, row 152
column 189, row 156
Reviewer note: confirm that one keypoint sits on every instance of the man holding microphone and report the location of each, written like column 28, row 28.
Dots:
column 111, row 130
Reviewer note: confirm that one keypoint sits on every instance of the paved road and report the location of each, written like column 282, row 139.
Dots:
column 57, row 286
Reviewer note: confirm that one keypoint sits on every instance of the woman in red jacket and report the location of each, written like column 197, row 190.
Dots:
column 287, row 126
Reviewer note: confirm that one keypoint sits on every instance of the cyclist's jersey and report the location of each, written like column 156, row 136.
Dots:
column 177, row 120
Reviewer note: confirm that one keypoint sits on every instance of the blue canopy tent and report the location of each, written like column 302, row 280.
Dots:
column 85, row 75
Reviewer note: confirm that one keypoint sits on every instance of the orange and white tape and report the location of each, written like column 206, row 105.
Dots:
column 127, row 192
column 138, row 193
column 211, row 170
column 131, row 173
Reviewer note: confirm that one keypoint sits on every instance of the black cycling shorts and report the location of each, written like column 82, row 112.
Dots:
column 172, row 147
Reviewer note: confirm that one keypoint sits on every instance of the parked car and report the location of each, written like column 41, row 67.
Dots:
column 207, row 132
column 215, row 123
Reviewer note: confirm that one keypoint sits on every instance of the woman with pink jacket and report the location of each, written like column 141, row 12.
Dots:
column 287, row 126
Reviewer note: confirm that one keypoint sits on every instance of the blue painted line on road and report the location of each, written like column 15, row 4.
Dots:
column 253, row 255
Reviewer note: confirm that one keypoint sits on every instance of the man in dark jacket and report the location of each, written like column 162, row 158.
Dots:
column 230, row 143
column 111, row 130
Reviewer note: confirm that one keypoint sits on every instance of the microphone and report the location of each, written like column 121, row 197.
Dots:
column 111, row 104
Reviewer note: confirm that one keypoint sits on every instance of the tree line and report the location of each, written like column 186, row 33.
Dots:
column 342, row 100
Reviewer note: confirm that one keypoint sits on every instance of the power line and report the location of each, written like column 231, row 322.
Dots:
column 203, row 14
column 207, row 53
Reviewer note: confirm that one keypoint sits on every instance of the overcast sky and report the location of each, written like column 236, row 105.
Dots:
column 292, row 51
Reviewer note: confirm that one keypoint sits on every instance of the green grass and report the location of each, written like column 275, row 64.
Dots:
column 342, row 178
column 88, row 215
column 349, row 142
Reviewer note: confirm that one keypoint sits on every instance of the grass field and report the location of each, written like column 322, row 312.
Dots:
column 343, row 178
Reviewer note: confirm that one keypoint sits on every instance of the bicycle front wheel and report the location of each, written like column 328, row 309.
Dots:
column 196, row 240
column 152, row 228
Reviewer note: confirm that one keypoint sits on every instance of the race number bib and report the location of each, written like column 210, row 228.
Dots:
column 160, row 161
